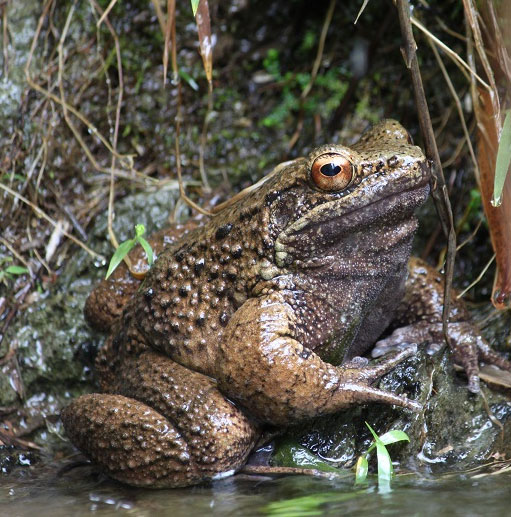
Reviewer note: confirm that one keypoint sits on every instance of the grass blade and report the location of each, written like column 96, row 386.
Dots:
column 148, row 250
column 195, row 5
column 119, row 255
column 394, row 436
column 16, row 270
column 503, row 160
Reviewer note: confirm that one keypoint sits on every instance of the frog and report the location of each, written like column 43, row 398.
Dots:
column 258, row 317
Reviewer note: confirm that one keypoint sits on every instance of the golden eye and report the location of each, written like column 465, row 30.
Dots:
column 332, row 172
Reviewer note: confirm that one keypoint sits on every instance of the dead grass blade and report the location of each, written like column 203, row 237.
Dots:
column 489, row 44
column 105, row 13
column 205, row 41
column 170, row 42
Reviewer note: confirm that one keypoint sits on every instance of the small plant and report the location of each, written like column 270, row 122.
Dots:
column 385, row 468
column 293, row 85
column 122, row 251
column 11, row 271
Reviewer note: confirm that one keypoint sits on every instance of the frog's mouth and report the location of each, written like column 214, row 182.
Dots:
column 383, row 208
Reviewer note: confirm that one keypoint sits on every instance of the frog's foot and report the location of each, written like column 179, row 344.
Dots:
column 171, row 427
column 469, row 348
column 361, row 376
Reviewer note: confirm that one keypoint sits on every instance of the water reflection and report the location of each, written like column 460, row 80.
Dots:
column 81, row 491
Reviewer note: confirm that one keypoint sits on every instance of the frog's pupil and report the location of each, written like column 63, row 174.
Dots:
column 330, row 169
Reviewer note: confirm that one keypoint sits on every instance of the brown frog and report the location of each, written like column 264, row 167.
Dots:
column 256, row 316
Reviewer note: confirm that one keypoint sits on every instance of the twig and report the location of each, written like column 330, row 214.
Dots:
column 450, row 53
column 111, row 194
column 439, row 188
column 127, row 160
column 288, row 471
column 321, row 48
column 171, row 30
column 8, row 245
column 159, row 14
column 481, row 274
column 471, row 236
column 315, row 69
column 471, row 14
column 458, row 105
column 105, row 13
column 42, row 214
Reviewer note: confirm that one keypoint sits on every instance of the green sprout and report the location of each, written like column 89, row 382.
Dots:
column 385, row 468
column 127, row 246
column 11, row 271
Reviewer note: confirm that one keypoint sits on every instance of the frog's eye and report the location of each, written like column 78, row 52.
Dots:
column 332, row 172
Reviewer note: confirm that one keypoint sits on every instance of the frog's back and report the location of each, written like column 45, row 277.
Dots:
column 196, row 285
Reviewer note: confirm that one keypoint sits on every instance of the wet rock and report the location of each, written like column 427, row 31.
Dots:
column 455, row 430
column 53, row 349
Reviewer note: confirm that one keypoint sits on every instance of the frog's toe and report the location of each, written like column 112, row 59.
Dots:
column 470, row 350
column 369, row 374
column 489, row 356
column 356, row 362
column 389, row 364
column 385, row 347
column 359, row 393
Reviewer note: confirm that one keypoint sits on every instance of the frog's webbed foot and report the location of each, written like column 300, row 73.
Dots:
column 469, row 348
column 359, row 377
column 168, row 427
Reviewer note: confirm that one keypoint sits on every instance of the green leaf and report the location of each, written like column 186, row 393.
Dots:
column 148, row 250
column 16, row 270
column 195, row 6
column 394, row 436
column 188, row 79
column 384, row 462
column 361, row 469
column 503, row 160
column 385, row 468
column 119, row 255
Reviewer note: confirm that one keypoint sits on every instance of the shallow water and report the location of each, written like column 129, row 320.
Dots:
column 78, row 492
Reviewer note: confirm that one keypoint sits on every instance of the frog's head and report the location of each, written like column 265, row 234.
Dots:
column 342, row 202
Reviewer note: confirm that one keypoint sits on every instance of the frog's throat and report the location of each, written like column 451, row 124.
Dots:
column 412, row 193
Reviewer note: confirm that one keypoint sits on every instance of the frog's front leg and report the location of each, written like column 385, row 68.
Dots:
column 420, row 313
column 166, row 426
column 263, row 366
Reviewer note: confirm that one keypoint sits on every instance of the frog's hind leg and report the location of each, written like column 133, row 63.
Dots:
column 169, row 426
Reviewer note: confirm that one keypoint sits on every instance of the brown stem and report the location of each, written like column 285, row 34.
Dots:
column 438, row 187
